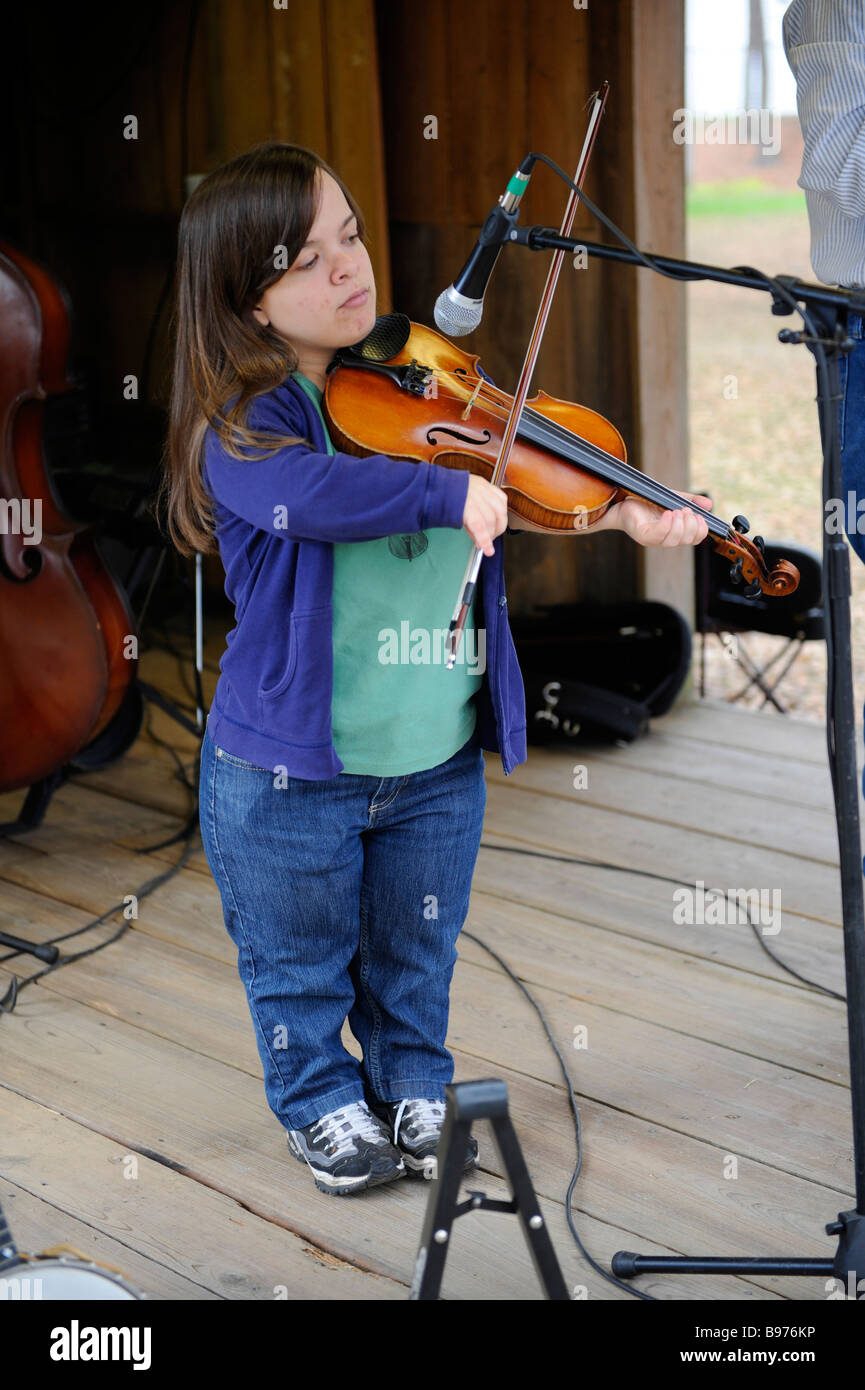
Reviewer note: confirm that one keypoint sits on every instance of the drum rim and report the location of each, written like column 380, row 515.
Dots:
column 68, row 1262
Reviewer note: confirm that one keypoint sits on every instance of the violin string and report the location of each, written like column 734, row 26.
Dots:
column 552, row 434
column 618, row 468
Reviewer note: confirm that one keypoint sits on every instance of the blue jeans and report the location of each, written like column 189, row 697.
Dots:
column 851, row 424
column 345, row 898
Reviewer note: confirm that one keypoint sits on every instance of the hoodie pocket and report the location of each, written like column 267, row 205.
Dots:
column 304, row 629
column 272, row 691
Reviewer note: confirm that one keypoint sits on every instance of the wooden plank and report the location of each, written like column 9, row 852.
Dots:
column 650, row 1180
column 812, row 889
column 664, row 797
column 248, row 106
column 657, row 984
column 298, row 37
column 184, row 910
column 39, row 1225
column 414, row 55
column 172, row 1237
column 200, row 989
column 715, row 722
column 753, row 772
column 638, row 907
column 440, row 190
column 596, row 948
column 660, row 1072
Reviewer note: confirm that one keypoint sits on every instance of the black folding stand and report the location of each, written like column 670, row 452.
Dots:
column 467, row 1101
column 827, row 310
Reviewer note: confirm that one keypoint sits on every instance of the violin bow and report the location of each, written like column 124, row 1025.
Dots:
column 597, row 101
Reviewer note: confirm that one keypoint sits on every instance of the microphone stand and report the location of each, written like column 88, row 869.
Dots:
column 827, row 311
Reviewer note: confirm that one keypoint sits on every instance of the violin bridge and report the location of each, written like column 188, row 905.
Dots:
column 472, row 398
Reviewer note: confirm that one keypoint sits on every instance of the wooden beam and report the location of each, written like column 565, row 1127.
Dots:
column 659, row 206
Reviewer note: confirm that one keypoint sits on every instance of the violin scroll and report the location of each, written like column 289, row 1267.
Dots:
column 749, row 565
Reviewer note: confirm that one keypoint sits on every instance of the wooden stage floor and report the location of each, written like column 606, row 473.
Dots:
column 713, row 1087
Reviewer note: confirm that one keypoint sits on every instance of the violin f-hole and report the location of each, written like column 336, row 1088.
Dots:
column 463, row 436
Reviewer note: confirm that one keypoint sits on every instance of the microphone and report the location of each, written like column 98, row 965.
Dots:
column 460, row 307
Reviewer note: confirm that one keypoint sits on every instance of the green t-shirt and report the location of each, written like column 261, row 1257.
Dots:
column 396, row 708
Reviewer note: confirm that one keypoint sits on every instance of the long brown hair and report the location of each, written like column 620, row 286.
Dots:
column 231, row 229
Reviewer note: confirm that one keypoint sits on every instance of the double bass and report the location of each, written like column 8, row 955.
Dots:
column 68, row 645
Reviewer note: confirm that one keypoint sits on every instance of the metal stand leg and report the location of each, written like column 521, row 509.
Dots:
column 468, row 1101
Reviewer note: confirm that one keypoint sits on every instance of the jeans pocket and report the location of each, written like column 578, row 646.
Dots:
column 225, row 757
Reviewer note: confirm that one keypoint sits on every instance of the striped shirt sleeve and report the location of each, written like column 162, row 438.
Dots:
column 824, row 41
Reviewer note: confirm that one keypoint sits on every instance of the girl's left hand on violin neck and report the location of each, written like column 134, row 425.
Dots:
column 642, row 521
column 650, row 525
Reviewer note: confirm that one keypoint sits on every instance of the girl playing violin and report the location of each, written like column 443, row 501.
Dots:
column 342, row 787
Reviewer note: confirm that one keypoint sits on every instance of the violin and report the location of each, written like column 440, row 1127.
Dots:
column 67, row 673
column 408, row 392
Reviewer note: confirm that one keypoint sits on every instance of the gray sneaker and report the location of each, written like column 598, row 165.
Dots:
column 415, row 1127
column 347, row 1150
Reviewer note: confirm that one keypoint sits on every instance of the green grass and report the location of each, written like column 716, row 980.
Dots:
column 741, row 197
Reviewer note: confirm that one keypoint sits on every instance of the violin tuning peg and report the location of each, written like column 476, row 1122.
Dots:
column 760, row 544
column 752, row 590
column 741, row 524
column 736, row 572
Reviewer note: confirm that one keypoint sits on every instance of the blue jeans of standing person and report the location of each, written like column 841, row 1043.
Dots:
column 345, row 898
column 851, row 425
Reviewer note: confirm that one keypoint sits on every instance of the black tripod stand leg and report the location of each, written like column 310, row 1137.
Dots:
column 441, row 1208
column 626, row 1265
column 468, row 1101
column 35, row 804
column 533, row 1224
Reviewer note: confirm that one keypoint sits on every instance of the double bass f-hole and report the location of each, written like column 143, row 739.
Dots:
column 29, row 559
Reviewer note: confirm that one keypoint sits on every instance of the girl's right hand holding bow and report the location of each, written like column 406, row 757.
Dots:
column 486, row 512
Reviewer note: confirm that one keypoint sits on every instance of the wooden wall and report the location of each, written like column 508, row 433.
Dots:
column 357, row 80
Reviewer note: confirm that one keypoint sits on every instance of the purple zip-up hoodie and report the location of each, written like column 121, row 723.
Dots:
column 276, row 521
